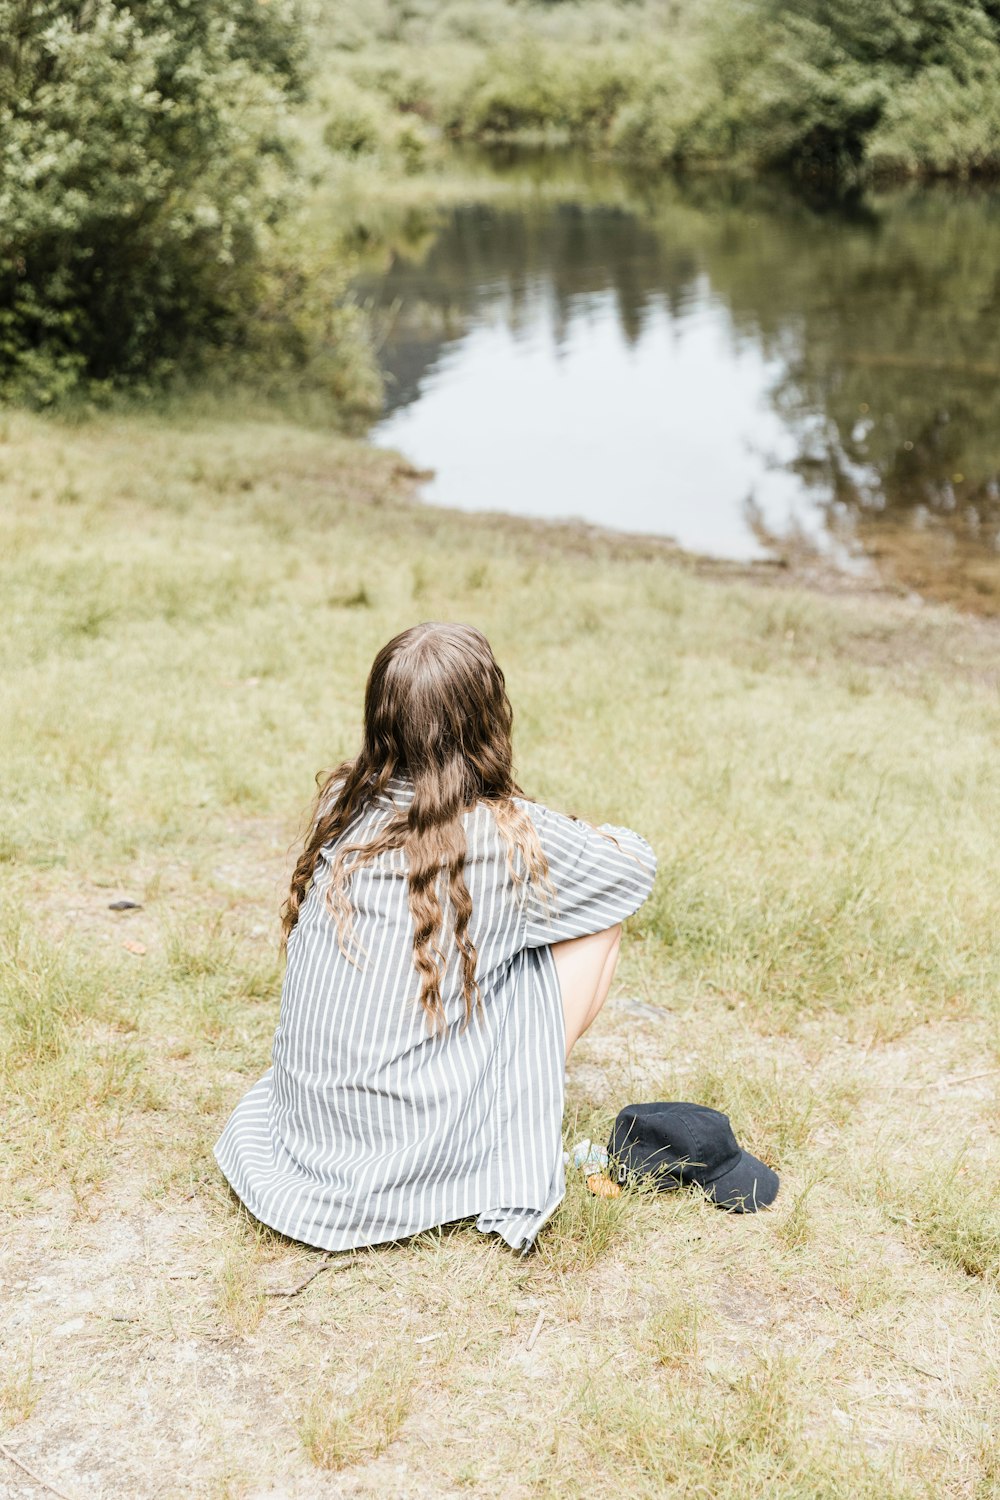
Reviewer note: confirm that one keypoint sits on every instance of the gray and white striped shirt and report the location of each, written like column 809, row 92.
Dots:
column 367, row 1127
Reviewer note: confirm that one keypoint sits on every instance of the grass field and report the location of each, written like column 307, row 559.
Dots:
column 190, row 610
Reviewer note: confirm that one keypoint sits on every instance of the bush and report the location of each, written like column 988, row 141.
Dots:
column 521, row 90
column 141, row 167
column 645, row 131
column 356, row 122
column 931, row 127
column 535, row 88
column 361, row 122
column 833, row 88
column 807, row 84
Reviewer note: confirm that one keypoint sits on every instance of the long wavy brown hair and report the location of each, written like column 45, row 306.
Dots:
column 437, row 714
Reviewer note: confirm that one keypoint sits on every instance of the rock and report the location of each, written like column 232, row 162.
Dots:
column 63, row 1330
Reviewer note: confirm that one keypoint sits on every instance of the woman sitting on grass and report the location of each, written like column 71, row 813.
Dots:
column 448, row 941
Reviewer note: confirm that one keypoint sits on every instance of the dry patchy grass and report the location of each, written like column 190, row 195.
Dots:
column 191, row 610
column 339, row 1434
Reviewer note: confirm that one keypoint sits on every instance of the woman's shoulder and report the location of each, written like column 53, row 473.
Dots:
column 501, row 830
column 565, row 835
column 548, row 819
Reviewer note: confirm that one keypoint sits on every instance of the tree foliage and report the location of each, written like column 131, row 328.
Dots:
column 140, row 167
column 833, row 88
column 809, row 84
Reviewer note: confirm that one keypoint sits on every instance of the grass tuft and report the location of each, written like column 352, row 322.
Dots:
column 584, row 1227
column 954, row 1210
column 338, row 1433
column 44, row 988
column 796, row 1228
column 19, row 1392
column 670, row 1337
column 199, row 950
column 242, row 1304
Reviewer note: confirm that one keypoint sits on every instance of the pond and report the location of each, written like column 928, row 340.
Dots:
column 740, row 369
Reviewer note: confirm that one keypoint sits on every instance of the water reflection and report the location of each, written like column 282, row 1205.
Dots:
column 726, row 365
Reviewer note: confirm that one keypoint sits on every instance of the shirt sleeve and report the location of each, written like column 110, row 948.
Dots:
column 598, row 877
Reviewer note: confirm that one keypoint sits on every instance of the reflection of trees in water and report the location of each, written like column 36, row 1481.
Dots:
column 891, row 376
column 487, row 262
column 885, row 320
column 883, row 316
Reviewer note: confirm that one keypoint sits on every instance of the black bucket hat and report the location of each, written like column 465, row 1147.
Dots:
column 677, row 1144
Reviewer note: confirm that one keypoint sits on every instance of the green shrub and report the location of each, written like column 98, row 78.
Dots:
column 521, row 90
column 530, row 87
column 356, row 122
column 359, row 121
column 931, row 127
column 141, row 168
column 645, row 131
column 837, row 88
column 807, row 84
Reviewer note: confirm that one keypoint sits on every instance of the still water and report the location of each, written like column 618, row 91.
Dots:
column 733, row 367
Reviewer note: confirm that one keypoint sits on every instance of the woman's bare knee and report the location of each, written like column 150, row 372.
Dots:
column 585, row 967
column 590, row 944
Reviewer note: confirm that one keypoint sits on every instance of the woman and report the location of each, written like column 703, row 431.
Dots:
column 448, row 941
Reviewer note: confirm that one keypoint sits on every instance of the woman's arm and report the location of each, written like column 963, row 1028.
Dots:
column 599, row 877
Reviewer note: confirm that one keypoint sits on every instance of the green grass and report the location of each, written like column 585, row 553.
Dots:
column 820, row 849
column 186, row 645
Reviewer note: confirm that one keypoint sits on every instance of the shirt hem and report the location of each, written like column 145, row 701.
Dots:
column 521, row 1238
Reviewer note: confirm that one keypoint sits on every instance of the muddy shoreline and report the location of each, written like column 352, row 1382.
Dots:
column 974, row 628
